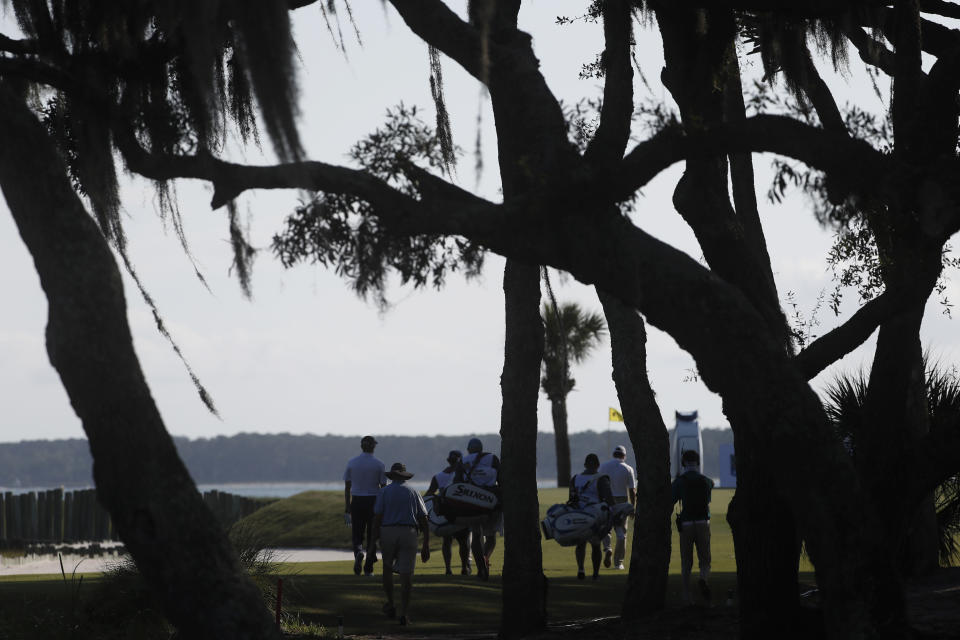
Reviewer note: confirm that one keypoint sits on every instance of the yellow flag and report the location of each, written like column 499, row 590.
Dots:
column 615, row 416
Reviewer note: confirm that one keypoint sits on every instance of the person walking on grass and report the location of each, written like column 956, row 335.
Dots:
column 586, row 488
column 482, row 468
column 361, row 482
column 441, row 481
column 693, row 490
column 623, row 485
column 398, row 513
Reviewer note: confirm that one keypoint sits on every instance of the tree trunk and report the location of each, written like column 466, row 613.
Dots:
column 764, row 529
column 766, row 545
column 178, row 545
column 524, row 585
column 897, row 417
column 650, row 559
column 561, row 440
column 922, row 553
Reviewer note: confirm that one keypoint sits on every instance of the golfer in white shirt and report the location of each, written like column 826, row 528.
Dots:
column 361, row 483
column 623, row 484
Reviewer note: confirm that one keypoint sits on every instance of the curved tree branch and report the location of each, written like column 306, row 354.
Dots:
column 443, row 207
column 37, row 71
column 849, row 161
column 612, row 135
column 821, row 97
column 824, row 150
column 440, row 27
column 837, row 343
column 742, row 181
column 871, row 51
column 800, row 8
column 18, row 46
column 936, row 38
column 940, row 8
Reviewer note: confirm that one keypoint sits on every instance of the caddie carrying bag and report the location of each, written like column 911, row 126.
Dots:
column 570, row 525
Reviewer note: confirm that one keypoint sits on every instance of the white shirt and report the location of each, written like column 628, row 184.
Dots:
column 480, row 469
column 622, row 477
column 587, row 490
column 365, row 473
column 444, row 479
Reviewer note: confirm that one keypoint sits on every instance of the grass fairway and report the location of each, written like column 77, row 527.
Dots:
column 320, row 592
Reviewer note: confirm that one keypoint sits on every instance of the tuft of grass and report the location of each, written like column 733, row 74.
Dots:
column 293, row 626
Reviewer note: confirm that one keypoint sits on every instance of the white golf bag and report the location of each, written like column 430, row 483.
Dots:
column 570, row 525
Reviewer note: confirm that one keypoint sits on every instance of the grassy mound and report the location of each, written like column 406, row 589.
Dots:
column 308, row 519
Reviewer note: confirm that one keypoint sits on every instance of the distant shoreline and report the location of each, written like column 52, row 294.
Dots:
column 259, row 489
column 255, row 461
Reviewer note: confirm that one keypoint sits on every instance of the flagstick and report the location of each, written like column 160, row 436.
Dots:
column 608, row 432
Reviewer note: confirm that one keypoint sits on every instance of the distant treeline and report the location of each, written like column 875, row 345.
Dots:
column 251, row 457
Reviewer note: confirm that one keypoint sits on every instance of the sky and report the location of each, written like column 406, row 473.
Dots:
column 305, row 354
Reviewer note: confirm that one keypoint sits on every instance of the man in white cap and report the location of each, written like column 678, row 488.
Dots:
column 623, row 484
column 398, row 513
column 361, row 483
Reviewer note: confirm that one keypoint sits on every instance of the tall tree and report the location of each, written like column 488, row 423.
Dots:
column 524, row 583
column 177, row 543
column 652, row 531
column 164, row 67
column 570, row 335
column 702, row 74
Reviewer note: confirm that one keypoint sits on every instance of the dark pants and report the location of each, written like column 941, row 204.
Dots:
column 361, row 514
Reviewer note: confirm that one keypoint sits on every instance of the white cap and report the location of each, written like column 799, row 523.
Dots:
column 621, row 450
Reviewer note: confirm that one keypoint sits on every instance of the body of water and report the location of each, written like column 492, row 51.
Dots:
column 261, row 489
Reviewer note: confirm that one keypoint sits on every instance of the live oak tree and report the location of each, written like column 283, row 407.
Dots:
column 94, row 57
column 560, row 208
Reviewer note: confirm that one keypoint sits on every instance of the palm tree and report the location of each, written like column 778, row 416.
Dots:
column 570, row 334
column 846, row 400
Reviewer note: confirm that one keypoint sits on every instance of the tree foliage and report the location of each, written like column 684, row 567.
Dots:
column 343, row 232
column 846, row 404
column 571, row 333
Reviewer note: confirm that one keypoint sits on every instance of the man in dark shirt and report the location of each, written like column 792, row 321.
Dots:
column 693, row 490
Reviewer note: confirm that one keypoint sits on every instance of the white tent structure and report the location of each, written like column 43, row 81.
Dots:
column 685, row 436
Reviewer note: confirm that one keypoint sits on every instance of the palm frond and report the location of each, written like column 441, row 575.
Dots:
column 570, row 335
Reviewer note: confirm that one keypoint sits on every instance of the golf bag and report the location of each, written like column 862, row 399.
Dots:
column 570, row 524
column 439, row 525
column 462, row 499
